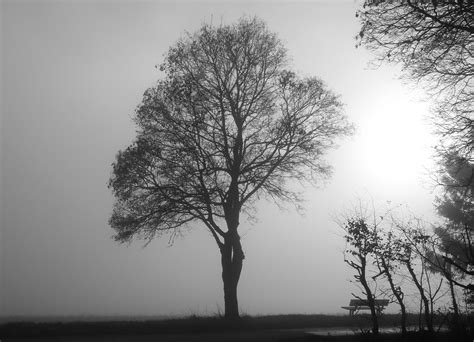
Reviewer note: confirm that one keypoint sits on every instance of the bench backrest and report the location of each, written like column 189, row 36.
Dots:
column 360, row 302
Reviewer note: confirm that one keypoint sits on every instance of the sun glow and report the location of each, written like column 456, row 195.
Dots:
column 396, row 143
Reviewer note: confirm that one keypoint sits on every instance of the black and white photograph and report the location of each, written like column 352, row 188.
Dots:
column 225, row 170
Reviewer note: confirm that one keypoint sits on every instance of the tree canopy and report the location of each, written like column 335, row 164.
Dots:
column 433, row 41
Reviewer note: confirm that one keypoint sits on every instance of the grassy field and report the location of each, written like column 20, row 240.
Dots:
column 249, row 328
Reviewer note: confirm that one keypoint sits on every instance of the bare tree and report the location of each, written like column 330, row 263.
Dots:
column 426, row 255
column 228, row 124
column 417, row 251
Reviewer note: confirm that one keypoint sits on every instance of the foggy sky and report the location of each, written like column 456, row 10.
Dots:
column 72, row 74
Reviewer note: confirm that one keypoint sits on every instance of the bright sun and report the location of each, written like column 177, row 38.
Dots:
column 396, row 143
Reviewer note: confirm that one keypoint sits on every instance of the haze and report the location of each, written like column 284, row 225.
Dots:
column 72, row 74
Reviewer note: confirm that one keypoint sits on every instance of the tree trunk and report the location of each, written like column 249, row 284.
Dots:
column 232, row 261
column 369, row 295
column 455, row 322
column 424, row 299
column 403, row 318
column 397, row 292
column 375, row 320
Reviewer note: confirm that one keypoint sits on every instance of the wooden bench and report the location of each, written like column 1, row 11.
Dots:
column 358, row 304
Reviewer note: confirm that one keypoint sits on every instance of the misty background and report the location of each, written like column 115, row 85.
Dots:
column 72, row 75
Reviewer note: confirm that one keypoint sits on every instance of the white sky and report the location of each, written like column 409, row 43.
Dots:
column 73, row 73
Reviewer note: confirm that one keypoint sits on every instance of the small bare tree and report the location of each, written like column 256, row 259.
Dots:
column 416, row 246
